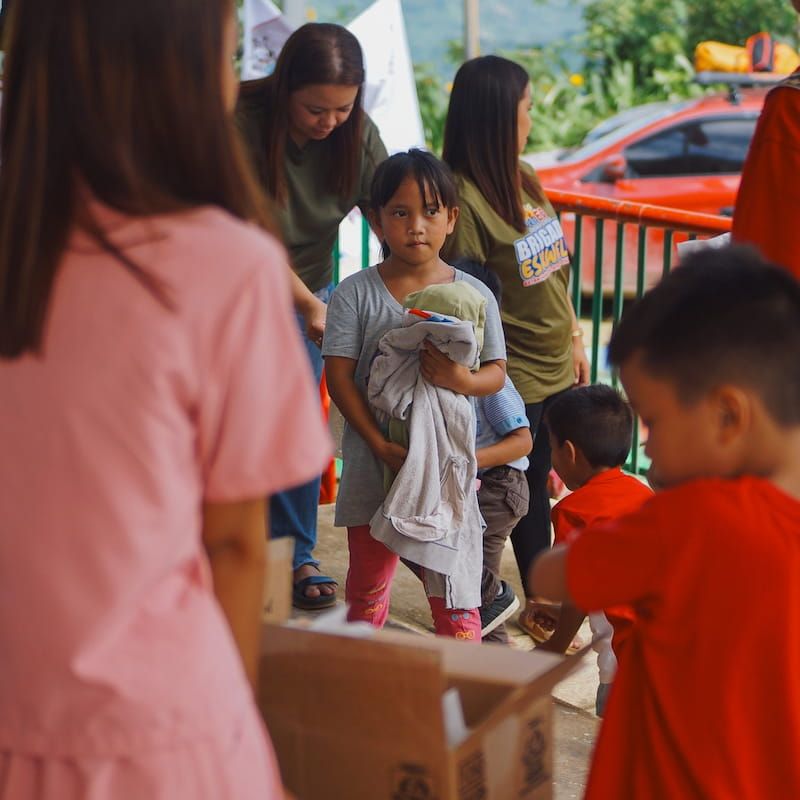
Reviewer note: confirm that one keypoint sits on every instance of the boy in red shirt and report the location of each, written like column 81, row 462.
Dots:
column 706, row 702
column 590, row 429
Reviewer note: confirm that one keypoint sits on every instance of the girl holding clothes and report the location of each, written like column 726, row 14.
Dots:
column 150, row 370
column 315, row 152
column 507, row 224
column 413, row 210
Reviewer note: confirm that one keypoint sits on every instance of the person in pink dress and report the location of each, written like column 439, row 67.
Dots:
column 153, row 390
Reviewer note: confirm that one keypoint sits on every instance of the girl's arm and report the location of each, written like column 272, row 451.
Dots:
column 339, row 372
column 515, row 445
column 439, row 370
column 234, row 536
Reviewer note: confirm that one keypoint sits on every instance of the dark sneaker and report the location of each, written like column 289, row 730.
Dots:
column 499, row 610
column 602, row 698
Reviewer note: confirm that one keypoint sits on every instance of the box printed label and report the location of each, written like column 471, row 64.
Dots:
column 534, row 749
column 542, row 250
column 472, row 777
column 412, row 782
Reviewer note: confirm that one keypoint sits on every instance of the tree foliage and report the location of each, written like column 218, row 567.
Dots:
column 433, row 97
column 634, row 51
column 659, row 35
column 735, row 20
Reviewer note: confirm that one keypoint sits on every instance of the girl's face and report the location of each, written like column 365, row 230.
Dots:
column 316, row 111
column 230, row 80
column 524, row 118
column 414, row 229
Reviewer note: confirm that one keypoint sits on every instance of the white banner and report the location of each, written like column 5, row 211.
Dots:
column 390, row 95
column 264, row 31
column 390, row 92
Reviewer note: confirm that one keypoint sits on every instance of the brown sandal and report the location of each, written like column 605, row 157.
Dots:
column 533, row 620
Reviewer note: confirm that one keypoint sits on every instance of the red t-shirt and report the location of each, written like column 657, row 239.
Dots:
column 706, row 702
column 768, row 204
column 608, row 496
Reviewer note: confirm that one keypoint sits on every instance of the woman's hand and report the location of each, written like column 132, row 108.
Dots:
column 310, row 307
column 314, row 313
column 392, row 454
column 440, row 370
column 580, row 363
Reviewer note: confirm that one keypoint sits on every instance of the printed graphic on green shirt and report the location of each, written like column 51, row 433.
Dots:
column 543, row 249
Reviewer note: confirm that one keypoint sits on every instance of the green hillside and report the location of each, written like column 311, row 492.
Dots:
column 505, row 24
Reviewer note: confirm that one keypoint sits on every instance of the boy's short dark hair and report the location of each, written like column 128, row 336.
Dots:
column 722, row 316
column 597, row 420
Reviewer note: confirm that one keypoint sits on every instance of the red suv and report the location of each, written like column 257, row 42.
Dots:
column 686, row 155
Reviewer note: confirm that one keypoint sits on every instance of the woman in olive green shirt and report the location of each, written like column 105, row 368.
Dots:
column 507, row 224
column 314, row 151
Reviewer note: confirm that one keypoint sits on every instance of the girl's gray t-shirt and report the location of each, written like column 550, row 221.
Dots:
column 360, row 312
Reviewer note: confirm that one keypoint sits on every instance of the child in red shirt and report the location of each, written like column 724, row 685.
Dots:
column 590, row 430
column 706, row 702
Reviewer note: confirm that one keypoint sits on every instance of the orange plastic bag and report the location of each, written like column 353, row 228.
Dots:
column 720, row 57
column 327, row 488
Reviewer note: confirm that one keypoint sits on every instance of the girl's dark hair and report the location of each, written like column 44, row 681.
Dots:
column 435, row 181
column 122, row 102
column 481, row 138
column 316, row 53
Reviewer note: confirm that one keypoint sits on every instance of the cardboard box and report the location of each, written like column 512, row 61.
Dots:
column 362, row 718
column 278, row 582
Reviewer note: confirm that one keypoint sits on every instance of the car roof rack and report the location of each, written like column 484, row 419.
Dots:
column 737, row 81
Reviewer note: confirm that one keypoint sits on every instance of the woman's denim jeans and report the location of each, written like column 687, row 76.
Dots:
column 294, row 512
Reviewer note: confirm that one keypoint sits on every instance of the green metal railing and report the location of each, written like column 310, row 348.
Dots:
column 364, row 252
column 643, row 241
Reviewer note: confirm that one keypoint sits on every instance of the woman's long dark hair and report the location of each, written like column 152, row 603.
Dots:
column 480, row 134
column 3, row 15
column 316, row 53
column 119, row 100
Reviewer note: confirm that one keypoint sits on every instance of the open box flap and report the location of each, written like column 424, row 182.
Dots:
column 539, row 686
column 492, row 663
column 319, row 679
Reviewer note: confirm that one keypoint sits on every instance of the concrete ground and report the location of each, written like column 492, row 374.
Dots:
column 575, row 723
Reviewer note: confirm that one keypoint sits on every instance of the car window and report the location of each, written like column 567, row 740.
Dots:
column 703, row 147
column 719, row 146
column 616, row 132
column 662, row 154
column 647, row 112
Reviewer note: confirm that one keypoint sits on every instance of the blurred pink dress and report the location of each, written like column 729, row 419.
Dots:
column 119, row 677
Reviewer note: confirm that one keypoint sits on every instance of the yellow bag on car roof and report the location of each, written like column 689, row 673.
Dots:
column 760, row 54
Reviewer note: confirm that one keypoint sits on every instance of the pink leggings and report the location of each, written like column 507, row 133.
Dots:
column 369, row 587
